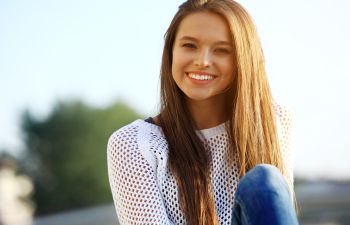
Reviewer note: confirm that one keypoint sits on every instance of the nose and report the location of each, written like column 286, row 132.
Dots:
column 202, row 59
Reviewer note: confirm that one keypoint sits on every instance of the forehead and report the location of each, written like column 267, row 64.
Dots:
column 205, row 26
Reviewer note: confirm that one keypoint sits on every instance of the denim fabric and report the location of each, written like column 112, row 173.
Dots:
column 263, row 198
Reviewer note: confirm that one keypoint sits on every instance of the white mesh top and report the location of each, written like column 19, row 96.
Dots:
column 144, row 191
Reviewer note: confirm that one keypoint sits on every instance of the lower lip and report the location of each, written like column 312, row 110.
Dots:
column 199, row 81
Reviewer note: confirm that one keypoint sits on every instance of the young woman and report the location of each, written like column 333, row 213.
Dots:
column 219, row 150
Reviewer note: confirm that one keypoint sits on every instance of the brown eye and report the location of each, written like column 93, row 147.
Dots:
column 222, row 50
column 189, row 45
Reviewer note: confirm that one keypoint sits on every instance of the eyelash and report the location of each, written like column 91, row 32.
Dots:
column 189, row 45
column 193, row 46
column 223, row 50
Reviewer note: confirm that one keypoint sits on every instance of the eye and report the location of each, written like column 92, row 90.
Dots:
column 222, row 50
column 189, row 45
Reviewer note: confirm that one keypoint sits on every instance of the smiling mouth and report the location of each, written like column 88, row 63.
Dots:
column 200, row 76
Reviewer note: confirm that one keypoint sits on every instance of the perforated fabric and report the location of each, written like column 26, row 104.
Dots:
column 145, row 192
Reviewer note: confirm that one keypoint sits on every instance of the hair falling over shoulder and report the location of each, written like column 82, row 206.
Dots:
column 251, row 127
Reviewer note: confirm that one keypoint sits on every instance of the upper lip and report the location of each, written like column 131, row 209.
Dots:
column 202, row 73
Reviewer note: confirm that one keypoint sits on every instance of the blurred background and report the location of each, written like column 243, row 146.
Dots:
column 72, row 72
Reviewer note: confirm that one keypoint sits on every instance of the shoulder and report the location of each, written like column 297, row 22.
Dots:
column 138, row 130
column 126, row 140
column 124, row 134
column 133, row 141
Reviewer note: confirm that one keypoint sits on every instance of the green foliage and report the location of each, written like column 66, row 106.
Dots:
column 66, row 154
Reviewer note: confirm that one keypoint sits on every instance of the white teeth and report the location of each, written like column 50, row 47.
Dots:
column 200, row 77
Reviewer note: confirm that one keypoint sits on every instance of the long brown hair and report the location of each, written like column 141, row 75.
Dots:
column 251, row 125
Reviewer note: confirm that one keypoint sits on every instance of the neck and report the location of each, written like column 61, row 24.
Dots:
column 208, row 113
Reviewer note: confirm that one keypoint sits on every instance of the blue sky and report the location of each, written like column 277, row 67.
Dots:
column 100, row 51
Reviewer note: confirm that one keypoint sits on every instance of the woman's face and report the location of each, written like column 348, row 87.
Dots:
column 203, row 56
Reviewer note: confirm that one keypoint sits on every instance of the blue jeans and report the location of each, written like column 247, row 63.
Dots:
column 263, row 198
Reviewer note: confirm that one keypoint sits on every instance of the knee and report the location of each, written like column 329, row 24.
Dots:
column 263, row 177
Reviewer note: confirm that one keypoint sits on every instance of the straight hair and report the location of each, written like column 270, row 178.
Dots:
column 251, row 126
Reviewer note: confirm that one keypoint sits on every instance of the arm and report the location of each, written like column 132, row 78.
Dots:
column 286, row 142
column 133, row 182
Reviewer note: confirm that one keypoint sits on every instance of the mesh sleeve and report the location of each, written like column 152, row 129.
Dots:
column 133, row 182
column 286, row 142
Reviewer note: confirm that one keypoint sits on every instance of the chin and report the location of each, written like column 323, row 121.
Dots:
column 197, row 97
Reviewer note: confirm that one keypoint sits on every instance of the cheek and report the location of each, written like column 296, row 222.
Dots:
column 177, row 64
column 174, row 63
column 181, row 60
column 228, row 68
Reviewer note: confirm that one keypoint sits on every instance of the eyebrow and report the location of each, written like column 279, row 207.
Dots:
column 196, row 40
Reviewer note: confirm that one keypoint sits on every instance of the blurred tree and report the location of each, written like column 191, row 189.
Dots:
column 66, row 154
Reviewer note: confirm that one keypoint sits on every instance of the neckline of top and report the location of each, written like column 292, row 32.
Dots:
column 206, row 133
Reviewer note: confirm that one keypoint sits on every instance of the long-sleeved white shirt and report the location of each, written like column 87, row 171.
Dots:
column 145, row 192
